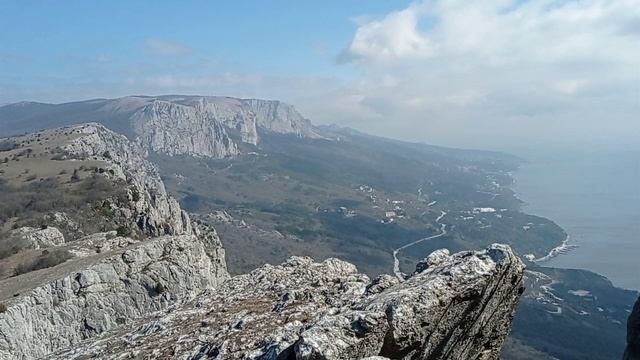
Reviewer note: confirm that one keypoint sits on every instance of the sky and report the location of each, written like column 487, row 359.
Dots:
column 494, row 74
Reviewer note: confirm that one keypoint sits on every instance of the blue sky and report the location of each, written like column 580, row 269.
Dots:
column 85, row 41
column 487, row 73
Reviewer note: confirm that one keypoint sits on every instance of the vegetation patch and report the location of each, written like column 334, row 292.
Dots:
column 46, row 260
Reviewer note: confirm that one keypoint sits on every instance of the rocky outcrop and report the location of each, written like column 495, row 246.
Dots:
column 150, row 207
column 633, row 334
column 207, row 126
column 111, row 280
column 116, row 288
column 458, row 307
column 281, row 118
column 176, row 129
column 212, row 126
column 33, row 238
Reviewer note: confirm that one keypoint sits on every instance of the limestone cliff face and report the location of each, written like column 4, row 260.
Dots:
column 211, row 126
column 633, row 334
column 176, row 129
column 281, row 118
column 39, row 238
column 459, row 307
column 206, row 126
column 152, row 209
column 98, row 293
column 111, row 280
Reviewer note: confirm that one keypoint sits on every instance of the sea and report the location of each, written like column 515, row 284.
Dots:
column 595, row 197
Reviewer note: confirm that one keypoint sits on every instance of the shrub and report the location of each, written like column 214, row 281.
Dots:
column 3, row 308
column 46, row 260
column 75, row 177
column 11, row 245
column 123, row 230
column 160, row 288
column 135, row 195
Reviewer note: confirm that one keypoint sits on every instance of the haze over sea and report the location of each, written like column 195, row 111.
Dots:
column 595, row 197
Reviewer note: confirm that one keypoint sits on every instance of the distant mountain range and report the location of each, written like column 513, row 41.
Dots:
column 207, row 126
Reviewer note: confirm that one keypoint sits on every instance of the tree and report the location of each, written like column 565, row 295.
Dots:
column 75, row 177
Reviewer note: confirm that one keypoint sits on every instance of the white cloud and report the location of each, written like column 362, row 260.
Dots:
column 165, row 47
column 499, row 72
column 394, row 36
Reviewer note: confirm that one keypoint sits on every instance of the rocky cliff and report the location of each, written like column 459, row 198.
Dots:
column 94, row 294
column 110, row 280
column 206, row 126
column 454, row 307
column 149, row 206
column 213, row 126
column 633, row 334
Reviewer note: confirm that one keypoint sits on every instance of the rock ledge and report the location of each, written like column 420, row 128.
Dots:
column 459, row 307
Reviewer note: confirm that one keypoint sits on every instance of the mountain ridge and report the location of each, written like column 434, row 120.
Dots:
column 209, row 126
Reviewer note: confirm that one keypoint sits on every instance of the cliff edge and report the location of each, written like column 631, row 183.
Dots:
column 455, row 307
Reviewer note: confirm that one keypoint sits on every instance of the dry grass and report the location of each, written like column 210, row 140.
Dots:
column 22, row 157
column 47, row 259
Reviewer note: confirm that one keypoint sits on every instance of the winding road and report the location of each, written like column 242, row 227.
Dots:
column 396, row 262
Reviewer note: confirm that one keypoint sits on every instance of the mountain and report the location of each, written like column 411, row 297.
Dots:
column 173, row 125
column 324, row 192
column 90, row 240
column 134, row 276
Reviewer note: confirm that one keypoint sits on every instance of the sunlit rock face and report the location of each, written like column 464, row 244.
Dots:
column 94, row 294
column 459, row 308
column 213, row 126
column 109, row 280
column 153, row 210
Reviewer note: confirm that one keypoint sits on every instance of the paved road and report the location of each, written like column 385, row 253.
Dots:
column 396, row 262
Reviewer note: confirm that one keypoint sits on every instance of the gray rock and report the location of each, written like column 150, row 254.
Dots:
column 176, row 129
column 435, row 258
column 39, row 238
column 151, row 208
column 633, row 334
column 112, row 291
column 460, row 308
column 198, row 126
column 112, row 280
column 381, row 283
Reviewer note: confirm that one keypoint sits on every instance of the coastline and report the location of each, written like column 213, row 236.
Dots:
column 564, row 247
column 561, row 249
column 594, row 199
